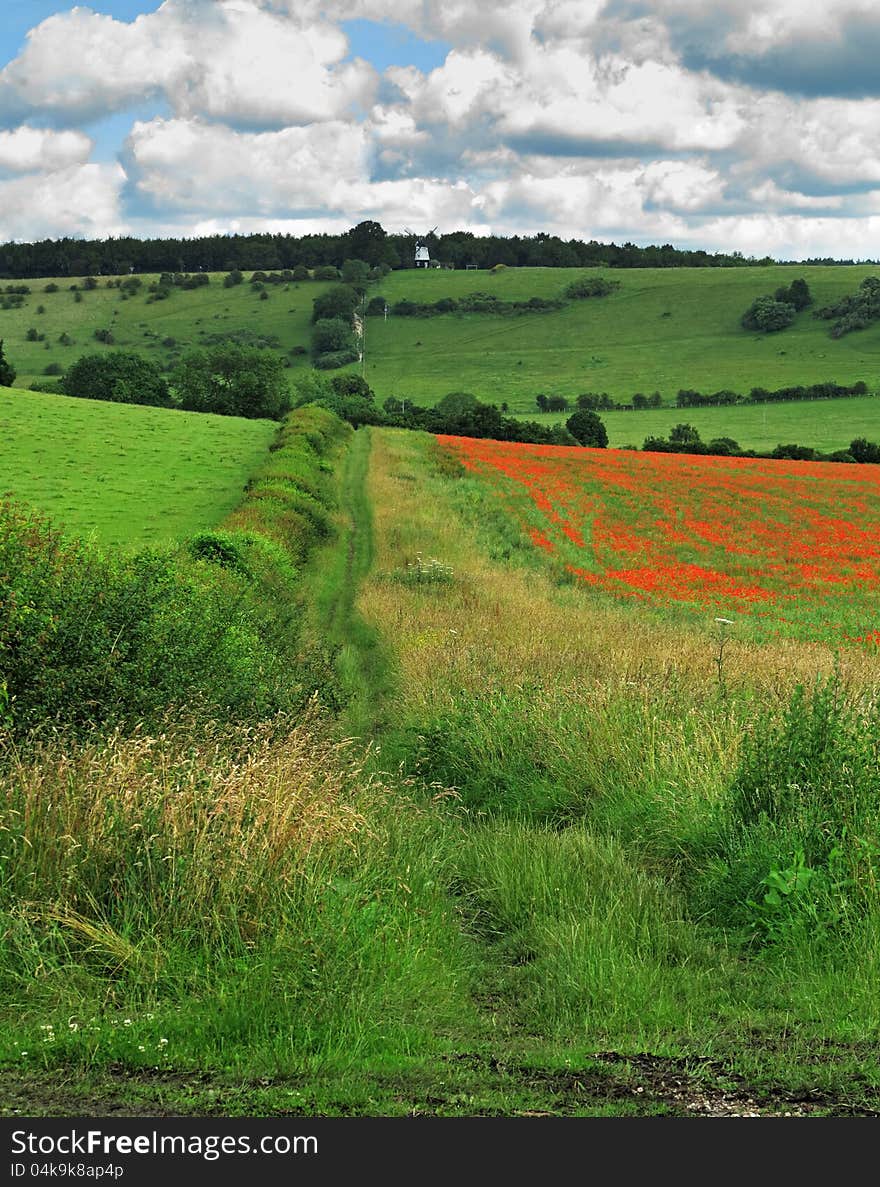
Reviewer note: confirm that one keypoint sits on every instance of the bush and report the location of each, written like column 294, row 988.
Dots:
column 335, row 358
column 590, row 286
column 232, row 380
column 7, row 371
column 587, row 428
column 121, row 377
column 768, row 315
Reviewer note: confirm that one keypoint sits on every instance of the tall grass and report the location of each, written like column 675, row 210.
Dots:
column 653, row 850
column 261, row 881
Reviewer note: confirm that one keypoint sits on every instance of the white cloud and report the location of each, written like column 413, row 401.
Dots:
column 79, row 200
column 185, row 164
column 223, row 58
column 28, row 150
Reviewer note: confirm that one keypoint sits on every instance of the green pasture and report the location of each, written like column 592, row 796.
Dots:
column 662, row 330
column 188, row 316
column 125, row 474
column 822, row 424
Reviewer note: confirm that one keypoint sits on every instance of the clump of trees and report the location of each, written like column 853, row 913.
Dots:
column 684, row 438
column 333, row 336
column 856, row 311
column 232, row 380
column 121, row 377
column 458, row 414
column 769, row 314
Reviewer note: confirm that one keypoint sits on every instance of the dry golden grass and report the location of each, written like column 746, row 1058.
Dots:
column 497, row 622
column 206, row 830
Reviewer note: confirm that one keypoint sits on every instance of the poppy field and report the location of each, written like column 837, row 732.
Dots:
column 794, row 547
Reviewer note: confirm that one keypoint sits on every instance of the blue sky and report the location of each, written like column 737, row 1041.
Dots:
column 747, row 125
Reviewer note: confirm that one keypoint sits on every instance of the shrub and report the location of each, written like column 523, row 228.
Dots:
column 590, row 286
column 768, row 315
column 587, row 428
column 121, row 377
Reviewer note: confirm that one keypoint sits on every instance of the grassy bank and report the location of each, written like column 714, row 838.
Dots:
column 126, row 475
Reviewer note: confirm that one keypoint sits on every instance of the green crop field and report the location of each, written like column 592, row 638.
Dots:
column 662, row 330
column 127, row 474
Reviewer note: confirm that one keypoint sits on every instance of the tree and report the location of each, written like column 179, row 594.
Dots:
column 684, row 434
column 356, row 273
column 863, row 450
column 587, row 428
column 121, row 377
column 7, row 372
column 767, row 314
column 367, row 241
column 339, row 301
column 232, row 380
column 332, row 334
column 352, row 385
column 797, row 294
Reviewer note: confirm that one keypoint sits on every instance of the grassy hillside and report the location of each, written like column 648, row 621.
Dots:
column 189, row 317
column 129, row 475
column 662, row 330
column 823, row 424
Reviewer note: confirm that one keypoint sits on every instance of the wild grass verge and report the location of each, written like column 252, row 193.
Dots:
column 200, row 898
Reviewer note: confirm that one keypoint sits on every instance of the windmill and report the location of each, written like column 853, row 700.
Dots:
column 422, row 254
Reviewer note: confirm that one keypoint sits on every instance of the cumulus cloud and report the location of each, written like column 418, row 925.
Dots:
column 228, row 59
column 186, row 164
column 745, row 124
column 28, row 150
column 80, row 200
column 828, row 49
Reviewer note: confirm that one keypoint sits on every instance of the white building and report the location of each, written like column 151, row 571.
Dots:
column 423, row 256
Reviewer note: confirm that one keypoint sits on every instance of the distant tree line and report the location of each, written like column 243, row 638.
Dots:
column 588, row 286
column 684, row 438
column 690, row 398
column 459, row 414
column 829, row 390
column 368, row 241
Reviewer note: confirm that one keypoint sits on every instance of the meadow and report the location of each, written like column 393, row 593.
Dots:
column 427, row 780
column 158, row 330
column 126, row 475
column 661, row 330
column 826, row 425
column 789, row 548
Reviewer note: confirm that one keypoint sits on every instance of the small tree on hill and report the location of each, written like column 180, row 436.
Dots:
column 767, row 314
column 587, row 428
column 7, row 372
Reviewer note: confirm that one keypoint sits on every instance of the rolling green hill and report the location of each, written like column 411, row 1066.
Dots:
column 662, row 330
column 159, row 330
column 127, row 474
